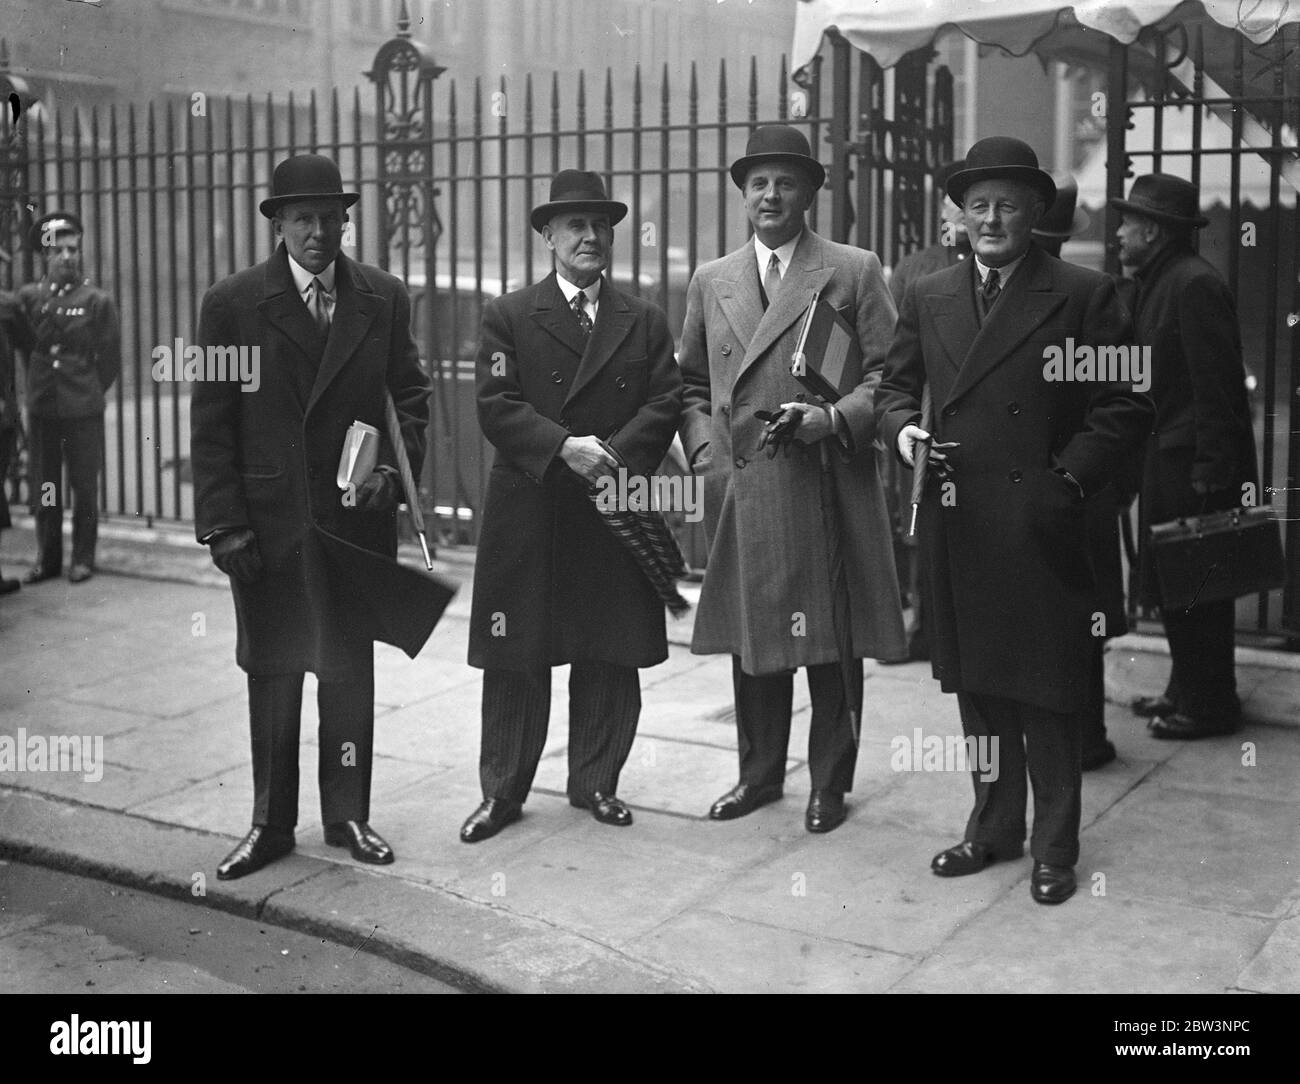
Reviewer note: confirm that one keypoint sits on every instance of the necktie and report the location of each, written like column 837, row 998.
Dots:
column 319, row 310
column 991, row 289
column 580, row 311
column 772, row 280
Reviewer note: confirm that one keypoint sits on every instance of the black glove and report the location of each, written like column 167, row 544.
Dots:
column 378, row 493
column 779, row 431
column 235, row 553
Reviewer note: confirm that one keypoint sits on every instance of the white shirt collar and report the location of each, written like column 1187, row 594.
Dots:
column 784, row 255
column 1004, row 273
column 302, row 277
column 571, row 291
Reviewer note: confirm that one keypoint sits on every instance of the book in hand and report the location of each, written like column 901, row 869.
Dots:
column 359, row 455
column 828, row 360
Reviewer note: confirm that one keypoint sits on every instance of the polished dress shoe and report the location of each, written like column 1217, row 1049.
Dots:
column 1150, row 706
column 968, row 857
column 80, row 573
column 606, row 808
column 1098, row 757
column 1179, row 727
column 39, row 575
column 489, row 818
column 743, row 799
column 8, row 587
column 825, row 811
column 363, row 841
column 262, row 845
column 1051, row 884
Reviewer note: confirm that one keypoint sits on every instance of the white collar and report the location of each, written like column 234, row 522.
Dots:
column 571, row 291
column 1004, row 273
column 784, row 254
column 302, row 277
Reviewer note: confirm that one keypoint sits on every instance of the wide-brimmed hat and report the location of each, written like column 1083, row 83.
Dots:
column 1064, row 218
column 306, row 176
column 773, row 142
column 1001, row 158
column 53, row 224
column 1164, row 198
column 577, row 190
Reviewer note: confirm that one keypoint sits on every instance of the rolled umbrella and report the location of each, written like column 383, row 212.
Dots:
column 841, row 614
column 408, row 478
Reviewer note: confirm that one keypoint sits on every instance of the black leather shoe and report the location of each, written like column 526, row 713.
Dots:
column 489, row 818
column 1051, row 884
column 743, row 799
column 80, row 573
column 967, row 858
column 606, row 808
column 261, row 846
column 1151, row 706
column 1098, row 757
column 363, row 841
column 8, row 587
column 825, row 811
column 1178, row 727
column 39, row 575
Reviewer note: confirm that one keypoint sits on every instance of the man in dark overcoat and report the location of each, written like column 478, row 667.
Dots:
column 768, row 598
column 15, row 335
column 327, row 337
column 1202, row 453
column 576, row 382
column 1002, row 518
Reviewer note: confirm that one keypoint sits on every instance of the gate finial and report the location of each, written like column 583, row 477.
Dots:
column 403, row 21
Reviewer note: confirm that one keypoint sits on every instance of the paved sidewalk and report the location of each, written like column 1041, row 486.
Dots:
column 1189, row 878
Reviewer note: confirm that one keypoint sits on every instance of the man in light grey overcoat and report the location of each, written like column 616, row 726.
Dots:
column 767, row 598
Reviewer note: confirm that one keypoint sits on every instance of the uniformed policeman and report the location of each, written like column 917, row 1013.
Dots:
column 75, row 358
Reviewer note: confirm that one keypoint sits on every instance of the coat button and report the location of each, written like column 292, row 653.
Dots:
column 949, row 411
column 54, row 350
column 620, row 383
column 726, row 350
column 55, row 365
column 725, row 410
column 740, row 463
column 1013, row 408
column 556, row 377
column 1016, row 475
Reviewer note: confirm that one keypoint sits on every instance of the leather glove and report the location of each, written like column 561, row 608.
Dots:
column 779, row 431
column 378, row 493
column 236, row 554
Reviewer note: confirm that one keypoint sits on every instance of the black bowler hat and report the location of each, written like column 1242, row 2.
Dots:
column 306, row 176
column 1064, row 218
column 53, row 224
column 945, row 171
column 1163, row 198
column 777, row 142
column 1001, row 158
column 577, row 190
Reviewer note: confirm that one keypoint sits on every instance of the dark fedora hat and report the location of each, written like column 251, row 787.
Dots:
column 306, row 176
column 577, row 190
column 1163, row 198
column 53, row 224
column 1064, row 218
column 1001, row 158
column 773, row 142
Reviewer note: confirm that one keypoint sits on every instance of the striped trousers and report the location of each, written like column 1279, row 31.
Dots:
column 604, row 706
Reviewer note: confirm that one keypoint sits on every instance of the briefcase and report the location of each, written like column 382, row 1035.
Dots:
column 828, row 360
column 1217, row 556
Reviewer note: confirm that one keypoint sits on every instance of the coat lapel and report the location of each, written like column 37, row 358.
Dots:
column 284, row 309
column 737, row 290
column 954, row 316
column 804, row 277
column 553, row 314
column 1026, row 304
column 614, row 320
column 354, row 311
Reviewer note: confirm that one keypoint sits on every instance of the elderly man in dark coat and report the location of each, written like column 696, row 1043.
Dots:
column 768, row 595
column 327, row 338
column 1020, row 442
column 1202, row 452
column 576, row 382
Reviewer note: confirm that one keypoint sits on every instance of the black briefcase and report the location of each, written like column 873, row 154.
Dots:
column 1217, row 556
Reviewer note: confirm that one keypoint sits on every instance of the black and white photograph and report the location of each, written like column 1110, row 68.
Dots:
column 650, row 497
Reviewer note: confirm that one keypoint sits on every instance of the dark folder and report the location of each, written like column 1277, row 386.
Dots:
column 828, row 361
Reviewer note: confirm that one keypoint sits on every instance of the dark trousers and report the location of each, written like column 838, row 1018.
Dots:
column 604, row 707
column 763, row 726
column 82, row 439
column 1046, row 746
column 1202, row 674
column 346, row 736
column 1092, row 715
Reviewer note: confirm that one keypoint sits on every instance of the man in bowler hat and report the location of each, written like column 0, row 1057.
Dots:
column 333, row 336
column 1202, row 452
column 768, row 598
column 75, row 357
column 576, row 382
column 1014, row 455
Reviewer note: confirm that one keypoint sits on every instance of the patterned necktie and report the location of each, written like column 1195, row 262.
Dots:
column 319, row 310
column 579, row 304
column 772, row 280
column 991, row 289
